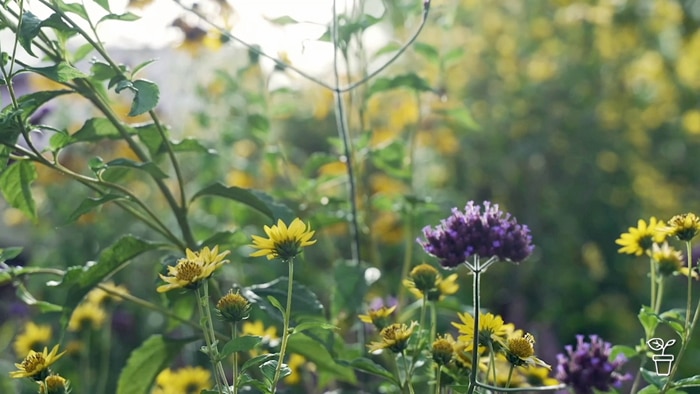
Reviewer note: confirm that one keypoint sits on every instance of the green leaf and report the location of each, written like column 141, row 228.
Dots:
column 316, row 353
column 89, row 204
column 55, row 21
column 257, row 360
column 307, row 325
column 61, row 72
column 102, row 71
column 82, row 52
column 653, row 378
column 252, row 198
column 15, row 184
column 30, row 28
column 190, row 145
column 144, row 364
column 366, row 365
column 26, row 297
column 282, row 20
column 453, row 55
column 268, row 369
column 627, row 351
column 349, row 282
column 276, row 304
column 388, row 48
column 651, row 389
column 304, row 301
column 104, row 4
column 428, row 51
column 240, row 344
column 693, row 381
column 461, row 117
column 10, row 129
column 126, row 17
column 649, row 320
column 95, row 129
column 146, row 97
column 75, row 8
column 142, row 66
column 9, row 253
column 410, row 81
column 111, row 260
column 220, row 238
column 150, row 167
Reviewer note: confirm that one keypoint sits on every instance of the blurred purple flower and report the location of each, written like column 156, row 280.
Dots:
column 587, row 367
column 473, row 232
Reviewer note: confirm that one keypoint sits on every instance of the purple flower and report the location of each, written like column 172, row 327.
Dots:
column 491, row 233
column 587, row 367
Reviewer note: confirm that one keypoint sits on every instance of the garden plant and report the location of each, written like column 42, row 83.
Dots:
column 358, row 246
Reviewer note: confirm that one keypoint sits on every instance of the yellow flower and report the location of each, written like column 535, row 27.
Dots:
column 639, row 239
column 668, row 260
column 462, row 358
column 87, row 315
column 442, row 349
column 685, row 226
column 441, row 287
column 520, row 351
column 190, row 271
column 378, row 317
column 394, row 337
column 36, row 364
column 187, row 380
column 539, row 376
column 34, row 337
column 283, row 242
column 492, row 329
column 109, row 291
column 294, row 363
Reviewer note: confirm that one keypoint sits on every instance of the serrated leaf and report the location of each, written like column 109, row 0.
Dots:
column 89, row 204
column 252, row 198
column 150, row 167
column 60, row 72
column 102, row 71
column 125, row 17
column 409, row 81
column 146, row 362
column 304, row 301
column 15, row 184
column 366, row 365
column 240, row 344
column 111, row 260
column 10, row 129
column 145, row 98
column 30, row 28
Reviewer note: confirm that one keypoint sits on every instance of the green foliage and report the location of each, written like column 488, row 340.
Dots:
column 15, row 184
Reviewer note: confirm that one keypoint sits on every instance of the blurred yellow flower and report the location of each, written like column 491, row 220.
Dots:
column 691, row 121
column 109, row 292
column 295, row 363
column 283, row 242
column 85, row 316
column 183, row 381
column 34, row 337
column 378, row 317
column 194, row 268
column 684, row 226
column 393, row 337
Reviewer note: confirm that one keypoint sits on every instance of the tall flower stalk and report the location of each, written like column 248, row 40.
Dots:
column 284, row 243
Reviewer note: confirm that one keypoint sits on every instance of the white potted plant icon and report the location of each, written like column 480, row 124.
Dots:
column 662, row 362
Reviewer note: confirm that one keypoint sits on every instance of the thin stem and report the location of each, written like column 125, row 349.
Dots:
column 659, row 295
column 496, row 389
column 234, row 334
column 345, row 137
column 689, row 302
column 408, row 254
column 210, row 326
column 173, row 159
column 652, row 284
column 285, row 333
column 476, row 292
column 407, row 382
column 205, row 332
column 433, row 321
column 510, row 375
column 438, row 374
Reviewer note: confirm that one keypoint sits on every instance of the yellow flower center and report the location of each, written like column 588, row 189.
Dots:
column 188, row 271
column 521, row 347
column 33, row 363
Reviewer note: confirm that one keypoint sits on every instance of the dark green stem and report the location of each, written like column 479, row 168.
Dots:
column 285, row 332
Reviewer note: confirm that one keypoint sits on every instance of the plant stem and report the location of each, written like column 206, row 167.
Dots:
column 234, row 334
column 205, row 320
column 689, row 256
column 652, row 283
column 510, row 376
column 285, row 332
column 106, row 339
column 408, row 373
column 437, row 380
column 433, row 321
column 476, row 293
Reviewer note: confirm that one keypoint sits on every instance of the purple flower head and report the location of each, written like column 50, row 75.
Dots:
column 491, row 233
column 587, row 367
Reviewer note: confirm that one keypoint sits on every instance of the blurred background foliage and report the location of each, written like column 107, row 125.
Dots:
column 579, row 117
